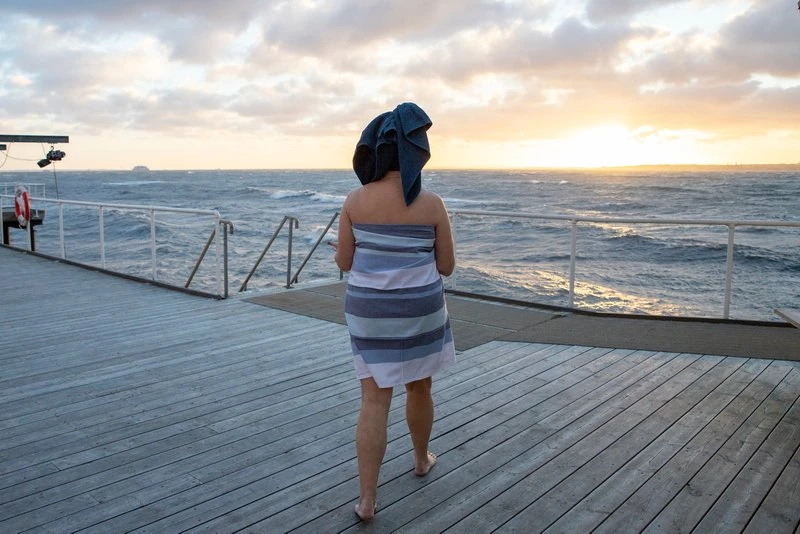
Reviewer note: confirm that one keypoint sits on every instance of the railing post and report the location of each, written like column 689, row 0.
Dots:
column 217, row 266
column 296, row 276
column 225, row 256
column 729, row 273
column 293, row 223
column 2, row 219
column 573, row 253
column 30, row 230
column 455, row 249
column 153, row 240
column 61, row 230
column 102, row 239
column 264, row 252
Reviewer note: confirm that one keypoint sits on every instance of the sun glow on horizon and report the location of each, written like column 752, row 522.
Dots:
column 614, row 145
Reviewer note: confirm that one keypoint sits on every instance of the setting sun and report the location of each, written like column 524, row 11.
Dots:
column 607, row 145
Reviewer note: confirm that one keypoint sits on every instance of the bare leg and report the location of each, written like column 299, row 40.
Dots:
column 371, row 443
column 419, row 416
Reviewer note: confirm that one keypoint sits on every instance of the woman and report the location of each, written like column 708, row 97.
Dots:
column 395, row 239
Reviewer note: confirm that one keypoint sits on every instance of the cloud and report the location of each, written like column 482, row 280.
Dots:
column 600, row 11
column 764, row 40
column 483, row 69
column 323, row 27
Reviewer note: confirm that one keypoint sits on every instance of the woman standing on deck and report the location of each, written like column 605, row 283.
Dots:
column 395, row 239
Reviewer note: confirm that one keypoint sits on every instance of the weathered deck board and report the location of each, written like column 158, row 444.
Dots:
column 127, row 407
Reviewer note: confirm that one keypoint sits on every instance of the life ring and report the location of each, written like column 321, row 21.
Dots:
column 22, row 206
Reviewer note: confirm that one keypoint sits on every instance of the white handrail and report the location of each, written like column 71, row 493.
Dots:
column 36, row 189
column 150, row 210
column 574, row 220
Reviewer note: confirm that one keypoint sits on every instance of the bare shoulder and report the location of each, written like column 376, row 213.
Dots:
column 432, row 203
column 351, row 199
column 431, row 199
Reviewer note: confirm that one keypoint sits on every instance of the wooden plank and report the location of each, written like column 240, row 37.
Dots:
column 248, row 480
column 706, row 486
column 790, row 315
column 230, row 416
column 740, row 500
column 471, row 454
column 451, row 426
column 779, row 511
column 629, row 499
column 465, row 490
column 192, row 464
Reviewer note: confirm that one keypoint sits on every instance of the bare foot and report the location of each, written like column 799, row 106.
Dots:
column 423, row 467
column 365, row 513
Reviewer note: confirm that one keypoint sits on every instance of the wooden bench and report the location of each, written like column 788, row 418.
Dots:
column 790, row 315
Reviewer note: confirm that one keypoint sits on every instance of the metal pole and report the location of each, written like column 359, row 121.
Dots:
column 217, row 266
column 263, row 252
column 102, row 239
column 30, row 230
column 455, row 248
column 314, row 248
column 225, row 256
column 728, row 273
column 2, row 215
column 61, row 230
column 153, row 240
column 293, row 223
column 572, row 257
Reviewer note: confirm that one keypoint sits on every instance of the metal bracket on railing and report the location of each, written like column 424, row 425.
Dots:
column 293, row 223
column 313, row 249
column 225, row 224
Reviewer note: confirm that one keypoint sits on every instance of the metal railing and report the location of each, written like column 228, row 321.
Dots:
column 34, row 189
column 294, row 278
column 220, row 263
column 293, row 223
column 574, row 221
column 225, row 224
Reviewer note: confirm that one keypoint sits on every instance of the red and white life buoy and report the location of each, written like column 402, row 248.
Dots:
column 22, row 206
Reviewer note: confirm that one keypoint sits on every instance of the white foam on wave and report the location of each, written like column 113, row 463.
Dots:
column 134, row 182
column 311, row 195
column 325, row 197
column 287, row 193
column 451, row 200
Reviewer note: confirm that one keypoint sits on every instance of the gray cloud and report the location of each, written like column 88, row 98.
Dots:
column 765, row 40
column 352, row 24
column 600, row 11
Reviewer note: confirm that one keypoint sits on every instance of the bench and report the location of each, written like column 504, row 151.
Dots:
column 790, row 315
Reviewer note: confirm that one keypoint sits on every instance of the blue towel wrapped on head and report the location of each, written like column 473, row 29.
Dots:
column 395, row 140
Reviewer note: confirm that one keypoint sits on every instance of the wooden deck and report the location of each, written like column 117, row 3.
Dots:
column 131, row 408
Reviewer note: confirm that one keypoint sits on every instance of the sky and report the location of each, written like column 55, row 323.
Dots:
column 262, row 84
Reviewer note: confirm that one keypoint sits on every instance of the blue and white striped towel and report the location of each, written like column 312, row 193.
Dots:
column 394, row 305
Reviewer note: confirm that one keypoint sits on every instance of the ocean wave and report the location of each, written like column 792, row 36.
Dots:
column 284, row 194
column 315, row 196
column 133, row 182
column 677, row 250
column 328, row 198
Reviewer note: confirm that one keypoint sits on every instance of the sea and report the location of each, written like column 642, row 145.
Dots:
column 651, row 267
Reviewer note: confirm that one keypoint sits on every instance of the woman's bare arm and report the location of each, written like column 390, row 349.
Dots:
column 346, row 246
column 444, row 246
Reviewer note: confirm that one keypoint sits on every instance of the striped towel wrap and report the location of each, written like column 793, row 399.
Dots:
column 394, row 305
